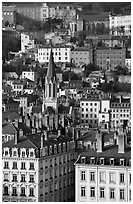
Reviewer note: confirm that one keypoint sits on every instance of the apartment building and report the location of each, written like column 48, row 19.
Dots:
column 128, row 64
column 26, row 42
column 104, row 174
column 61, row 54
column 120, row 112
column 108, row 58
column 95, row 110
column 38, row 167
column 29, row 75
column 81, row 56
column 9, row 13
column 120, row 24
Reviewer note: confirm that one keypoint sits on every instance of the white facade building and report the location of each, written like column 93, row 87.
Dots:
column 104, row 175
column 60, row 54
column 20, row 175
column 128, row 63
column 26, row 42
column 29, row 75
column 115, row 22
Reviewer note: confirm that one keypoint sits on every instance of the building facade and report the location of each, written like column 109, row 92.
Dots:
column 120, row 24
column 60, row 54
column 104, row 175
column 108, row 58
column 9, row 14
column 26, row 42
column 81, row 56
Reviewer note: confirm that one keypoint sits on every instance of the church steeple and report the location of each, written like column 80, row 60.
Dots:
column 51, row 67
column 50, row 93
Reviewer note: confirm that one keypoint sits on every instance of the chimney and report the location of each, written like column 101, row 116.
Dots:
column 16, row 123
column 121, row 143
column 45, row 135
column 20, row 132
column 33, row 130
column 42, row 139
column 77, row 134
column 56, row 122
column 40, row 123
column 36, row 123
column 100, row 142
column 16, row 136
column 59, row 133
column 28, row 122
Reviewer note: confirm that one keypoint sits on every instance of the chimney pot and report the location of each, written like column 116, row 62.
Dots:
column 121, row 143
column 100, row 142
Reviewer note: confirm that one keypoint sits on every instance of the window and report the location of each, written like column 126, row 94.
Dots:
column 6, row 177
column 92, row 176
column 122, row 162
column 112, row 177
column 130, row 194
column 86, row 109
column 23, row 154
column 122, row 196
column 102, row 161
column 111, row 161
column 23, row 165
column 130, row 178
column 31, row 178
column 6, row 165
column 122, row 178
column 83, row 160
column 22, row 177
column 92, row 192
column 59, row 58
column 14, row 178
column 82, row 191
column 31, row 192
column 14, row 165
column 102, row 176
column 31, row 154
column 95, row 104
column 86, row 115
column 14, row 191
column 82, row 175
column 90, row 104
column 22, row 191
column 91, row 109
column 112, row 193
column 31, row 166
column 92, row 160
column 82, row 109
column 14, row 153
column 5, row 190
column 6, row 153
column 102, row 192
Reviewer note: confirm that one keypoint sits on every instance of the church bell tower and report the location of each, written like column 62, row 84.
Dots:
column 50, row 91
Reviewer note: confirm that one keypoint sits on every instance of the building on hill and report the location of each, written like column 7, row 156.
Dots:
column 9, row 13
column 108, row 58
column 38, row 167
column 104, row 173
column 120, row 24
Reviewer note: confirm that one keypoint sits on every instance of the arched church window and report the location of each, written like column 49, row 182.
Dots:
column 49, row 90
column 54, row 90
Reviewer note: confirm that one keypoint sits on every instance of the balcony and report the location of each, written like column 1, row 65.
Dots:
column 31, row 181
column 14, row 180
column 5, row 194
column 23, row 181
column 6, row 180
column 23, row 195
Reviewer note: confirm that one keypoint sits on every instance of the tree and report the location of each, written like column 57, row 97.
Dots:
column 6, row 23
column 89, row 68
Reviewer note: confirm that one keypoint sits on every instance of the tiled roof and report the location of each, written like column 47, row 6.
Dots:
column 109, row 152
column 10, row 115
column 37, row 109
column 8, row 128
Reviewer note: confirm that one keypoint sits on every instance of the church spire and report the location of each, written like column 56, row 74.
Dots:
column 51, row 67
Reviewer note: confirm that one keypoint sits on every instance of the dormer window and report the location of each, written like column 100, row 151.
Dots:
column 6, row 153
column 83, row 160
column 122, row 162
column 55, row 149
column 46, row 151
column 14, row 153
column 31, row 154
column 111, row 161
column 92, row 160
column 50, row 150
column 102, row 161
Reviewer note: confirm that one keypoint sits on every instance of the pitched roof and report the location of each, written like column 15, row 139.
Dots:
column 8, row 128
column 10, row 115
column 51, row 67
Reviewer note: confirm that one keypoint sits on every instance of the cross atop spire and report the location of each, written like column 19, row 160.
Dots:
column 51, row 67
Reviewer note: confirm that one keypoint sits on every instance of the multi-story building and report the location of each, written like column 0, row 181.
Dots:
column 120, row 24
column 120, row 112
column 95, row 110
column 128, row 64
column 81, row 56
column 26, row 42
column 32, row 75
column 9, row 13
column 38, row 167
column 104, row 174
column 108, row 58
column 61, row 54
